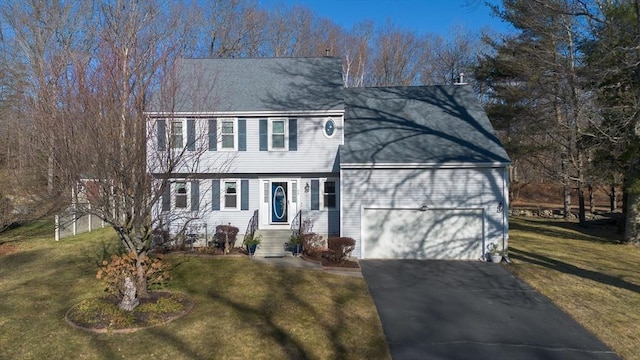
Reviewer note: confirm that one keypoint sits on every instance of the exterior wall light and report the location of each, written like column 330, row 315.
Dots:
column 306, row 188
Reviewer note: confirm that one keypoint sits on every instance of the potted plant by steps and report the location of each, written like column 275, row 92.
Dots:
column 252, row 241
column 495, row 253
column 295, row 244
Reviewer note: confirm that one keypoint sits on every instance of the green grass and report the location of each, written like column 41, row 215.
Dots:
column 243, row 309
column 585, row 272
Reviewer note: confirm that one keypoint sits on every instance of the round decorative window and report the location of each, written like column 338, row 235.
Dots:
column 329, row 127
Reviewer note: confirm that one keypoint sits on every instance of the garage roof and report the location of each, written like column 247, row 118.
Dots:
column 259, row 84
column 434, row 125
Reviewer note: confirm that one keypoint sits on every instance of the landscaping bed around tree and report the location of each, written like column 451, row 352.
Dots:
column 103, row 315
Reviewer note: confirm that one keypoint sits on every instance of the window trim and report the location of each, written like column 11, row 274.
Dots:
column 220, row 122
column 285, row 134
column 174, row 197
column 172, row 134
column 223, row 194
column 322, row 194
column 324, row 127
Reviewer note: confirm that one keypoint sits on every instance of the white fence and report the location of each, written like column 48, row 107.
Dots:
column 72, row 223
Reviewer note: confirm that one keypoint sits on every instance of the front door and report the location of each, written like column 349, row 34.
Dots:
column 279, row 208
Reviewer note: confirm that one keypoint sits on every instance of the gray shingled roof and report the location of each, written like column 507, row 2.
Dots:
column 261, row 84
column 421, row 125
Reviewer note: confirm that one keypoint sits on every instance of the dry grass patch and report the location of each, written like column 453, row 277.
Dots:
column 243, row 309
column 586, row 272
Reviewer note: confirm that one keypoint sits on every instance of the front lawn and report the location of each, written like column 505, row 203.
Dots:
column 584, row 271
column 243, row 309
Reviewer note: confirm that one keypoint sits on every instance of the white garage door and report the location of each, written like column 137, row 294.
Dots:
column 416, row 234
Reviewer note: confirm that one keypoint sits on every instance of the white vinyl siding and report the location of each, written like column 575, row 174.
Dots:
column 468, row 188
column 315, row 153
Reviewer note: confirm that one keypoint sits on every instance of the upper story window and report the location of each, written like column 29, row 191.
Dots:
column 228, row 134
column 278, row 134
column 176, row 135
column 329, row 127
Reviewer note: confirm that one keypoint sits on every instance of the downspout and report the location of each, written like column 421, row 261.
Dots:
column 505, row 212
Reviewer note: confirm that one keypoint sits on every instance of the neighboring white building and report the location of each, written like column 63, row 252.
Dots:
column 408, row 172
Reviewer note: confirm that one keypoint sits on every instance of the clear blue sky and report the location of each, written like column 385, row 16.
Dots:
column 421, row 16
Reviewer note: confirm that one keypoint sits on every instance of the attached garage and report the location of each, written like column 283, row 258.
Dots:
column 423, row 175
column 422, row 233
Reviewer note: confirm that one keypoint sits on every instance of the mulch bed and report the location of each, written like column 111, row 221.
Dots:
column 102, row 315
column 323, row 258
column 200, row 250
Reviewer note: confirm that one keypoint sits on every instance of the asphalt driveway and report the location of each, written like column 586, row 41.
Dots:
column 471, row 310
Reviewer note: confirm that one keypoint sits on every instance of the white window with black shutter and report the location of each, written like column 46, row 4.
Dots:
column 230, row 195
column 278, row 134
column 324, row 194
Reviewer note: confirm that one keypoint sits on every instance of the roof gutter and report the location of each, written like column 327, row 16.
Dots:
column 176, row 114
column 449, row 165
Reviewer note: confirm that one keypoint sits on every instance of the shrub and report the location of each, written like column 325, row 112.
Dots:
column 311, row 243
column 122, row 266
column 225, row 236
column 340, row 248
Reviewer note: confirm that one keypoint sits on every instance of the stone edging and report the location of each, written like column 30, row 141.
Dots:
column 184, row 312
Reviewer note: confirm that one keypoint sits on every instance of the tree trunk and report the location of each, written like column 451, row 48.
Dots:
column 141, row 281
column 566, row 188
column 632, row 212
column 592, row 204
column 632, row 219
column 612, row 198
column 138, row 247
column 581, row 207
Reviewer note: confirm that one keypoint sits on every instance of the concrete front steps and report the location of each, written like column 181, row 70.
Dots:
column 273, row 243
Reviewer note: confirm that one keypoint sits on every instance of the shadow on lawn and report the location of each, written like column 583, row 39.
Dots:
column 593, row 231
column 265, row 316
column 536, row 259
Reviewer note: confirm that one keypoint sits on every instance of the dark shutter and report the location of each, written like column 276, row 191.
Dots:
column 213, row 135
column 293, row 134
column 264, row 135
column 215, row 195
column 244, row 194
column 315, row 194
column 242, row 135
column 191, row 135
column 195, row 196
column 166, row 197
column 162, row 135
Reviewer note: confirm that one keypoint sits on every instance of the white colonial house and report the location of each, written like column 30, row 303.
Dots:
column 408, row 172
